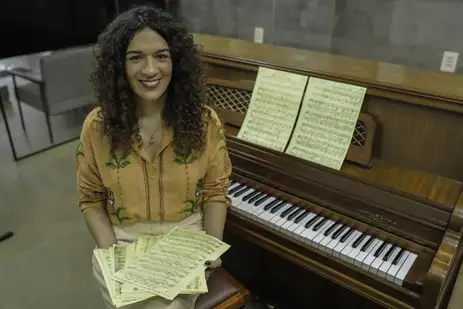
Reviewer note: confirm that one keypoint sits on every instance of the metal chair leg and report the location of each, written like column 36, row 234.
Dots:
column 50, row 131
column 21, row 115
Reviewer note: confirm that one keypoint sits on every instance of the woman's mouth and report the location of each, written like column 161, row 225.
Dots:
column 150, row 83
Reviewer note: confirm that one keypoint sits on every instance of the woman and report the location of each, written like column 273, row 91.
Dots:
column 151, row 156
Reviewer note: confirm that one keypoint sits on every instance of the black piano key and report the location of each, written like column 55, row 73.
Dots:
column 398, row 256
column 271, row 204
column 319, row 224
column 367, row 244
column 261, row 200
column 339, row 231
column 277, row 207
column 380, row 249
column 331, row 228
column 248, row 196
column 288, row 211
column 301, row 216
column 359, row 239
column 241, row 192
column 239, row 187
column 294, row 214
column 312, row 221
column 346, row 235
column 256, row 197
column 389, row 253
column 232, row 183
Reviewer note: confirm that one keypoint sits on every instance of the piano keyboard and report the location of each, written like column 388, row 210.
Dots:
column 380, row 258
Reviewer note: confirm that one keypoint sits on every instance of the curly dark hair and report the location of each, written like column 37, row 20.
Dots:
column 184, row 106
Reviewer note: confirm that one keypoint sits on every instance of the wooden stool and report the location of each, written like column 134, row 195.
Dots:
column 224, row 292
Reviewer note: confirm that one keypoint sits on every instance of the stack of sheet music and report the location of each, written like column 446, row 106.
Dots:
column 159, row 266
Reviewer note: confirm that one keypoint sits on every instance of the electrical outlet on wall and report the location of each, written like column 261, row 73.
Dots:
column 258, row 35
column 449, row 61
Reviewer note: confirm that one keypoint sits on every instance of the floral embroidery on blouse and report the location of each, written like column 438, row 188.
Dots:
column 194, row 204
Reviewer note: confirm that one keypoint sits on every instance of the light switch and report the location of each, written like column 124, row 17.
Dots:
column 258, row 35
column 449, row 61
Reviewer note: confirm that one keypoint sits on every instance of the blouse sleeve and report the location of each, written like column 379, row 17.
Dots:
column 219, row 167
column 92, row 193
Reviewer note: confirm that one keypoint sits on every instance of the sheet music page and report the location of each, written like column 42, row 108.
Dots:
column 130, row 254
column 173, row 262
column 326, row 122
column 118, row 257
column 144, row 243
column 273, row 109
column 104, row 261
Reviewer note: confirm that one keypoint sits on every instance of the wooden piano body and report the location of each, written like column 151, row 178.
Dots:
column 401, row 183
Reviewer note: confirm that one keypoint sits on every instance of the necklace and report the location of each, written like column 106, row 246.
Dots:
column 152, row 140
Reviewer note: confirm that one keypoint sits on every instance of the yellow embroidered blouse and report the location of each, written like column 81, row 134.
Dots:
column 169, row 187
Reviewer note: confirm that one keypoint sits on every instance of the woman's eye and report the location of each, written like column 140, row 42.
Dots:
column 162, row 57
column 135, row 58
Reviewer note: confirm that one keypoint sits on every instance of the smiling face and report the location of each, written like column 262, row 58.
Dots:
column 148, row 66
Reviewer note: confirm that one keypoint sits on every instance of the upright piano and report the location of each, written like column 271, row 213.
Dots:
column 387, row 227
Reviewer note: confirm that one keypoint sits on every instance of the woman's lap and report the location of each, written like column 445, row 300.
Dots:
column 129, row 234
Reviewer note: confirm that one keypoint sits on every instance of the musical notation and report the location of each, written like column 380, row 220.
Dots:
column 326, row 122
column 119, row 257
column 273, row 109
column 172, row 263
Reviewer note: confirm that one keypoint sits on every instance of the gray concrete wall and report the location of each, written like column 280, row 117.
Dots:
column 409, row 32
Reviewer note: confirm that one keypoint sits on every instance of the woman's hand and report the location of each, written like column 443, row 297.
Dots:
column 214, row 264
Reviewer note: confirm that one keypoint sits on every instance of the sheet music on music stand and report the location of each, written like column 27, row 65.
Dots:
column 326, row 123
column 273, row 109
column 315, row 124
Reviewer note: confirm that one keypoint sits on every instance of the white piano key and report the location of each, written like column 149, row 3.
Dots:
column 301, row 228
column 324, row 240
column 277, row 215
column 332, row 244
column 392, row 272
column 341, row 245
column 363, row 254
column 348, row 248
column 320, row 236
column 371, row 256
column 252, row 210
column 236, row 200
column 268, row 218
column 263, row 216
column 355, row 251
column 243, row 194
column 379, row 260
column 292, row 229
column 234, row 185
column 403, row 271
column 278, row 222
column 307, row 235
column 258, row 210
column 285, row 226
column 311, row 233
column 382, row 272
column 247, row 207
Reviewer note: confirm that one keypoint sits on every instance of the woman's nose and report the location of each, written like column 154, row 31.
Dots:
column 150, row 67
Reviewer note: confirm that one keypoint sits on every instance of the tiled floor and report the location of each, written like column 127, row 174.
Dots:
column 47, row 263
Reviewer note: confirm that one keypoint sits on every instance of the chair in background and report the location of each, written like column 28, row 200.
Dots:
column 62, row 85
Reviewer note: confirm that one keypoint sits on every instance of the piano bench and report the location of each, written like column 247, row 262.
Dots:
column 224, row 292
